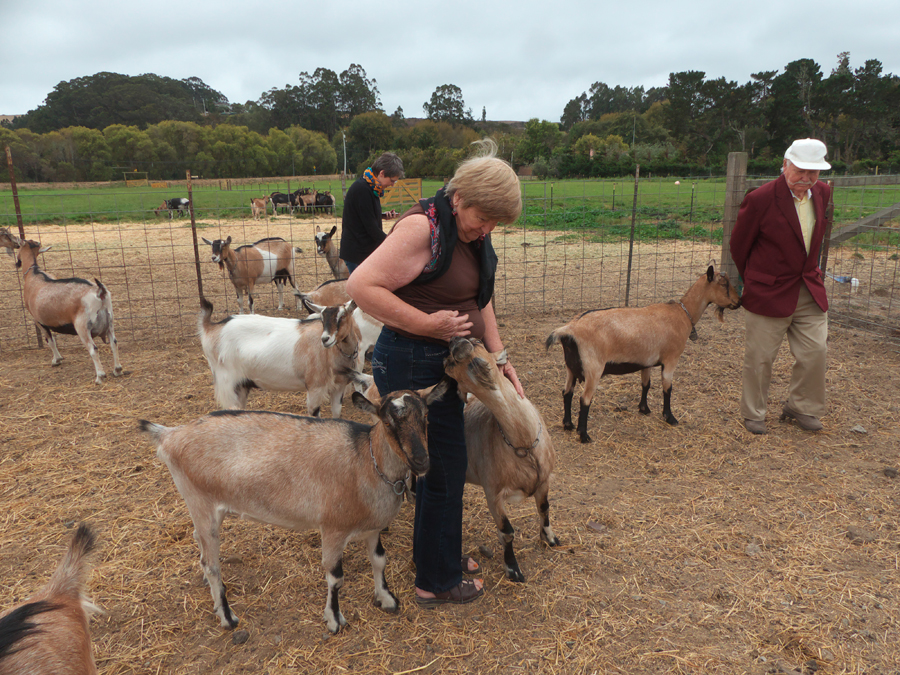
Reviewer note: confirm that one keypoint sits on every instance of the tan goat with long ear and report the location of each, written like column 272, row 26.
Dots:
column 48, row 634
column 325, row 246
column 72, row 306
column 343, row 478
column 510, row 451
column 627, row 339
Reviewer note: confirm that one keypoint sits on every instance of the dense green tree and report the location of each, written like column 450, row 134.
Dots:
column 368, row 133
column 447, row 105
column 540, row 139
column 358, row 94
column 103, row 99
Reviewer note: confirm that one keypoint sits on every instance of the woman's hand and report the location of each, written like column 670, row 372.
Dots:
column 447, row 324
column 510, row 373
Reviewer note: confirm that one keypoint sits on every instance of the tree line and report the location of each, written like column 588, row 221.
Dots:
column 92, row 127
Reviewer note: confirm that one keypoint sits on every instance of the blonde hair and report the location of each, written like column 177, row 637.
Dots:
column 488, row 183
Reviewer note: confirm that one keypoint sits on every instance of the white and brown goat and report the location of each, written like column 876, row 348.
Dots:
column 628, row 339
column 72, row 306
column 247, row 352
column 343, row 478
column 509, row 448
column 247, row 266
column 48, row 634
column 325, row 246
column 334, row 292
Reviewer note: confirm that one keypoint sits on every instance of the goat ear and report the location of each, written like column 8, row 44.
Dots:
column 333, row 230
column 351, row 306
column 500, row 358
column 364, row 404
column 228, row 241
column 206, row 241
column 710, row 273
column 318, row 229
column 44, row 249
column 312, row 307
column 435, row 392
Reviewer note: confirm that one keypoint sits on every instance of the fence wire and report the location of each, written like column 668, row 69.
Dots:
column 571, row 251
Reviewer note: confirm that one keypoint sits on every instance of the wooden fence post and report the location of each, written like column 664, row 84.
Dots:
column 735, row 187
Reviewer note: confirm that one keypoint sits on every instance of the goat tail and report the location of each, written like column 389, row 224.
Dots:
column 102, row 293
column 297, row 249
column 555, row 337
column 68, row 579
column 204, row 318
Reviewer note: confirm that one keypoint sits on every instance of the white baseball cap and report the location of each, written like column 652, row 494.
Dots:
column 808, row 153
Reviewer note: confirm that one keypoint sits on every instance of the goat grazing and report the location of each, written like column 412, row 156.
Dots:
column 343, row 478
column 48, row 634
column 334, row 292
column 265, row 261
column 627, row 339
column 72, row 306
column 259, row 207
column 510, row 451
column 325, row 246
column 180, row 204
column 265, row 352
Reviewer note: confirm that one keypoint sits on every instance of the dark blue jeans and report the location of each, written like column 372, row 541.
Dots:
column 402, row 363
column 351, row 266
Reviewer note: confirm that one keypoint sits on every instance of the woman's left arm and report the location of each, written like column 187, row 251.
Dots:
column 493, row 344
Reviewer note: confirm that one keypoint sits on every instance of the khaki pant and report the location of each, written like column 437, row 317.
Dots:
column 807, row 331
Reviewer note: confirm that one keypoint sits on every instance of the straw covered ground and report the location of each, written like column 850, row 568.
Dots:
column 691, row 549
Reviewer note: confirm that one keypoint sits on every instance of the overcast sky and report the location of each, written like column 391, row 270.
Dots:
column 518, row 60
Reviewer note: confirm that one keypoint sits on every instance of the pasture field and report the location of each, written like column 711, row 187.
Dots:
column 691, row 549
column 558, row 204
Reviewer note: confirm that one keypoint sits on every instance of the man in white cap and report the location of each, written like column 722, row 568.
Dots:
column 775, row 245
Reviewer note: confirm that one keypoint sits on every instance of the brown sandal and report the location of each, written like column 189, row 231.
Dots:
column 465, row 591
column 468, row 560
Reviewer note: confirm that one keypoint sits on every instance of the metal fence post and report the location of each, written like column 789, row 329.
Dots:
column 637, row 175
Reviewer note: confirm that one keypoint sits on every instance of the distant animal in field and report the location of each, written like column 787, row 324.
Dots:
column 170, row 206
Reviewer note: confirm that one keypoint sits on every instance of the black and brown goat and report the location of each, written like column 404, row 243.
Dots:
column 48, row 634
column 628, row 339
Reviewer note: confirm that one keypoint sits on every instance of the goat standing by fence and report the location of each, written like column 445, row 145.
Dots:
column 345, row 479
column 325, row 246
column 627, row 339
column 49, row 634
column 72, row 306
column 267, row 260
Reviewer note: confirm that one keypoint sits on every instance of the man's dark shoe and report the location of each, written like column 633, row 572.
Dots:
column 755, row 426
column 807, row 422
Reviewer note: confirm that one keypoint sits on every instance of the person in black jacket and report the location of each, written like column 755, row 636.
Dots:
column 361, row 231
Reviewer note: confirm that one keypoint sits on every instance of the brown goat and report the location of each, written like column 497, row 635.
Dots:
column 510, row 451
column 627, row 339
column 72, row 306
column 325, row 246
column 343, row 478
column 48, row 634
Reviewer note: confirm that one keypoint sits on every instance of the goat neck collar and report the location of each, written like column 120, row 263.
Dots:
column 693, row 334
column 523, row 450
column 398, row 486
column 352, row 355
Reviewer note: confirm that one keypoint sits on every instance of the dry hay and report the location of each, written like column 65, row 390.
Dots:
column 698, row 548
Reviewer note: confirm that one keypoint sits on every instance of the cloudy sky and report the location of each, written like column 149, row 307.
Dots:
column 518, row 60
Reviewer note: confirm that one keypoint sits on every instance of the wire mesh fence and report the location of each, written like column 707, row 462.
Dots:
column 579, row 245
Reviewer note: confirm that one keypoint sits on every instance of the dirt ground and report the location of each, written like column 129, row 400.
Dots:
column 691, row 549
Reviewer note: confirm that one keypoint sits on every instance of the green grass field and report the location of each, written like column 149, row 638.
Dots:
column 598, row 209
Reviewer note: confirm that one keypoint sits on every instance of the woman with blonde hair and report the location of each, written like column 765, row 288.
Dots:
column 432, row 279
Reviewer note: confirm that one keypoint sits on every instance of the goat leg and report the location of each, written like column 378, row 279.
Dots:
column 567, row 410
column 667, row 407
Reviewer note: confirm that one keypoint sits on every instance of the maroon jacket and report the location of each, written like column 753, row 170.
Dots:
column 767, row 248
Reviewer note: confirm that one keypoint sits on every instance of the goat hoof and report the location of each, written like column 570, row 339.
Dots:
column 117, row 372
column 515, row 576
column 671, row 420
column 568, row 426
column 585, row 438
column 644, row 411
